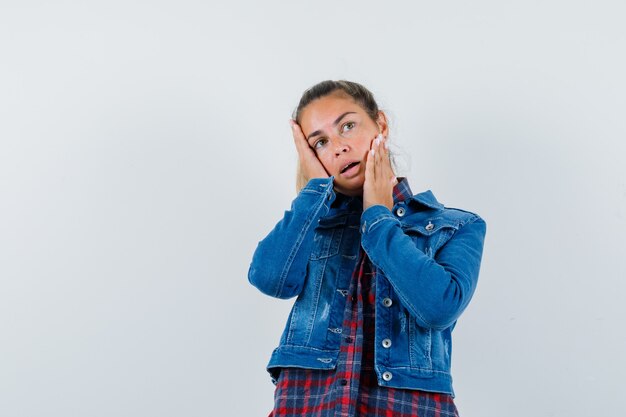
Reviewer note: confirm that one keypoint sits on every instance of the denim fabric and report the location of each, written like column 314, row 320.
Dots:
column 426, row 261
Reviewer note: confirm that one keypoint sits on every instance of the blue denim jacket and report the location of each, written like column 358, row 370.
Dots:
column 426, row 260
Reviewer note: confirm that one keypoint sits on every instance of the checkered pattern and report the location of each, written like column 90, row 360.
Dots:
column 351, row 389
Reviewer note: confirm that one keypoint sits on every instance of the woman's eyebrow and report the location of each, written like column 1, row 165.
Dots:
column 335, row 123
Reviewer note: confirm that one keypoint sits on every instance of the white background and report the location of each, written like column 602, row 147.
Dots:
column 145, row 150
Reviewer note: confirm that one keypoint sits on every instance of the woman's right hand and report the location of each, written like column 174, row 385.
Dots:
column 309, row 164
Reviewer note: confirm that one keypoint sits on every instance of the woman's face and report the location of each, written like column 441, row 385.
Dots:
column 341, row 134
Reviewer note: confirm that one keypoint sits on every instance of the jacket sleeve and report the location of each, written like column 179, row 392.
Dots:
column 434, row 290
column 279, row 263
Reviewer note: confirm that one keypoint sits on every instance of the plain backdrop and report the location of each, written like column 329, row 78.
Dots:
column 145, row 150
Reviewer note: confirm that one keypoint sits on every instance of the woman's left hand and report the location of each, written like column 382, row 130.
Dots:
column 379, row 176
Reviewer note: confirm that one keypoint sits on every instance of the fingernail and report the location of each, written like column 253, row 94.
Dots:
column 386, row 145
column 372, row 152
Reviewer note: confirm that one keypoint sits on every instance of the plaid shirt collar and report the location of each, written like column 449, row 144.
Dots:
column 401, row 191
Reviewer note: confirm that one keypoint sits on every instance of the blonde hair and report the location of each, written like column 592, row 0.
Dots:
column 301, row 180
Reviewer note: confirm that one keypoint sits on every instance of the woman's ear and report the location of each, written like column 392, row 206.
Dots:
column 381, row 121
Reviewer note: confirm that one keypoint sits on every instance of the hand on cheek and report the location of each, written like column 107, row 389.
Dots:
column 309, row 163
column 379, row 176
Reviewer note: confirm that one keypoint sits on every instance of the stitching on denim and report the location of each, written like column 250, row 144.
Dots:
column 327, row 351
column 417, row 368
column 309, row 191
column 410, row 336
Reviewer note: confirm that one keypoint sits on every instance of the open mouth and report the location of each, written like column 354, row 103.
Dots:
column 349, row 166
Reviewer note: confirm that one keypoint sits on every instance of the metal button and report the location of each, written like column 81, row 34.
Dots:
column 387, row 343
column 387, row 376
column 387, row 302
column 400, row 211
column 430, row 226
column 363, row 227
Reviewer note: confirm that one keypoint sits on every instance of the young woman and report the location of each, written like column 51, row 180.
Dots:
column 381, row 275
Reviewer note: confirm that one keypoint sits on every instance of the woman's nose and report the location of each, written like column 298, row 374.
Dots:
column 341, row 147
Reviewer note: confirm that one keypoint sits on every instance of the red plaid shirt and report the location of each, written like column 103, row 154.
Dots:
column 351, row 389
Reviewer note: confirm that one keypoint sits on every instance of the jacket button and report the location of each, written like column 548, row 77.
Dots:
column 363, row 228
column 387, row 376
column 400, row 211
column 387, row 302
column 387, row 343
column 430, row 226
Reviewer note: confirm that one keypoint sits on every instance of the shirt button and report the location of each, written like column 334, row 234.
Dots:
column 343, row 382
column 387, row 376
column 349, row 340
column 430, row 226
column 387, row 343
column 387, row 302
column 400, row 211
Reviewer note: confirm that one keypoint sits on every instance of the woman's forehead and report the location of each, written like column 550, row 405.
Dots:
column 325, row 110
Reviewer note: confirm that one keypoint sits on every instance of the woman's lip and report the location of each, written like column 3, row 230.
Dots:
column 352, row 170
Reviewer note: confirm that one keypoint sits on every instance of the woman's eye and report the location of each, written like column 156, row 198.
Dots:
column 319, row 143
column 348, row 126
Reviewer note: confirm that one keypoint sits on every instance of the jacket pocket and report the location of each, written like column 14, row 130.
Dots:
column 430, row 235
column 327, row 237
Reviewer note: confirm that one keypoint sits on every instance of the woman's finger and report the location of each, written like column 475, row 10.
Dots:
column 387, row 168
column 369, row 164
column 298, row 136
column 379, row 156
